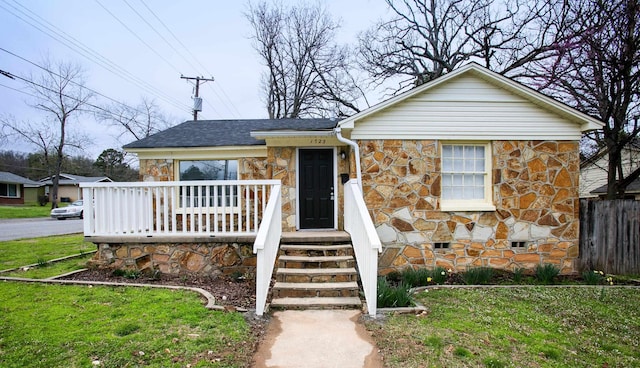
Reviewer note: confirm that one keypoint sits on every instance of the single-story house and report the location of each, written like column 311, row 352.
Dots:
column 15, row 189
column 595, row 168
column 470, row 169
column 69, row 185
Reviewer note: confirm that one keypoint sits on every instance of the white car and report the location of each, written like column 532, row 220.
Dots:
column 75, row 209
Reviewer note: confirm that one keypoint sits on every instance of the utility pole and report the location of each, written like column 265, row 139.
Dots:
column 197, row 103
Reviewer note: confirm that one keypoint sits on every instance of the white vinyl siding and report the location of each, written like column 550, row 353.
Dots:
column 466, row 107
column 465, row 180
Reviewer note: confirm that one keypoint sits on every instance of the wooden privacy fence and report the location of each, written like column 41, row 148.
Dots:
column 610, row 236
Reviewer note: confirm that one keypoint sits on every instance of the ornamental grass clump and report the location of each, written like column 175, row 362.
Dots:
column 593, row 277
column 478, row 276
column 440, row 275
column 414, row 278
column 393, row 296
column 546, row 273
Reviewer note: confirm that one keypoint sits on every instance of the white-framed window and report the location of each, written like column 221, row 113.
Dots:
column 466, row 179
column 9, row 190
column 203, row 195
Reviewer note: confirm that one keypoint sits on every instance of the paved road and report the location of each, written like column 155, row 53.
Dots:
column 34, row 228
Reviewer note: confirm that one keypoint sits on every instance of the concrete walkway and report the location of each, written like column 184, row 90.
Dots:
column 317, row 339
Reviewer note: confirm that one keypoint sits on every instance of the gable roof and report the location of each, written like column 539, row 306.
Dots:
column 585, row 121
column 632, row 188
column 11, row 178
column 68, row 179
column 218, row 133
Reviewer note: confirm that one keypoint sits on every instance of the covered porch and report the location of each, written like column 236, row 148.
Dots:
column 207, row 226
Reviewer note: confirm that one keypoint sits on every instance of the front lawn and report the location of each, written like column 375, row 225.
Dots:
column 44, row 325
column 25, row 211
column 18, row 253
column 516, row 327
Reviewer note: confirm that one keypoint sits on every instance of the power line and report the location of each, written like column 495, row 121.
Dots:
column 138, row 37
column 71, row 81
column 196, row 60
column 85, row 51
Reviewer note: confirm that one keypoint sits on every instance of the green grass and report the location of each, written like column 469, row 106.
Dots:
column 522, row 327
column 26, row 211
column 45, row 325
column 51, row 269
column 17, row 253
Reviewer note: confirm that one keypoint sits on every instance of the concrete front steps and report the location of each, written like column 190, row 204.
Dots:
column 316, row 272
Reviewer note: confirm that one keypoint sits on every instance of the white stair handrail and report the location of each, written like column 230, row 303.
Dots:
column 366, row 243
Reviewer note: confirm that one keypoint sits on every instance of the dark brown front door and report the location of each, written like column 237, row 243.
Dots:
column 316, row 178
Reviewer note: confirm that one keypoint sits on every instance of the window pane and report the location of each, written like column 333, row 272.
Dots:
column 209, row 170
column 458, row 151
column 457, row 180
column 447, row 151
column 13, row 190
column 3, row 189
column 447, row 180
column 458, row 165
column 468, row 180
column 478, row 193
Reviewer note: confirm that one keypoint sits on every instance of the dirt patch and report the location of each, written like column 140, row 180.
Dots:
column 228, row 292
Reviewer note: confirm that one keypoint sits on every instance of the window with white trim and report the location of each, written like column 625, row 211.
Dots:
column 9, row 190
column 208, row 196
column 465, row 181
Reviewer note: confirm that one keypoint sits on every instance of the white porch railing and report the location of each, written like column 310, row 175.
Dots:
column 366, row 243
column 208, row 208
column 266, row 247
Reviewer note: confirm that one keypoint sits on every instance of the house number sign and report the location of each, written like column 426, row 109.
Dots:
column 317, row 141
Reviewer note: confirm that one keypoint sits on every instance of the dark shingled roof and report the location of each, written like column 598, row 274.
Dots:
column 213, row 133
column 632, row 188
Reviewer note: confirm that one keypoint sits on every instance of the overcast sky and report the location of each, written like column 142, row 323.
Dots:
column 212, row 39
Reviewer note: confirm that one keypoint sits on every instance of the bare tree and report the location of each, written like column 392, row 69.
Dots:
column 428, row 38
column 597, row 70
column 60, row 94
column 135, row 123
column 308, row 73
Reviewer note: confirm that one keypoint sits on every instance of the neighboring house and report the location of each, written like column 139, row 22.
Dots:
column 470, row 169
column 15, row 189
column 594, row 171
column 631, row 192
column 69, row 185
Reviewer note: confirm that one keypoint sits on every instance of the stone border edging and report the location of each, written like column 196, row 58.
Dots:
column 210, row 298
column 49, row 261
column 419, row 308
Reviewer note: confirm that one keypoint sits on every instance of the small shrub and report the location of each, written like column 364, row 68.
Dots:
column 237, row 276
column 42, row 262
column 546, row 273
column 478, row 276
column 392, row 296
column 593, row 277
column 440, row 275
column 127, row 274
column 518, row 274
column 413, row 278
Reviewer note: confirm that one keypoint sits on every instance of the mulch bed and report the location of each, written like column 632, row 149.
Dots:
column 228, row 292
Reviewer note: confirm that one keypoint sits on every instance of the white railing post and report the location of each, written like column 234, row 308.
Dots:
column 266, row 246
column 366, row 243
column 181, row 208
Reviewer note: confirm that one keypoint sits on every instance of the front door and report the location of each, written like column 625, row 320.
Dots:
column 316, row 194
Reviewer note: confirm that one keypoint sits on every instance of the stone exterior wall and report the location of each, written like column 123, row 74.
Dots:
column 535, row 191
column 282, row 163
column 156, row 170
column 177, row 257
